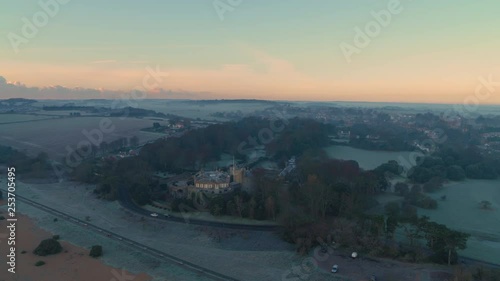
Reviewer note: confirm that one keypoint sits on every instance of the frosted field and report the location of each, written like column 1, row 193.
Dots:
column 182, row 108
column 116, row 254
column 367, row 159
column 52, row 136
column 9, row 118
column 461, row 211
column 245, row 255
column 194, row 110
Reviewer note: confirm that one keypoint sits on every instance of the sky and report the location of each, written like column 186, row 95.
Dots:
column 423, row 51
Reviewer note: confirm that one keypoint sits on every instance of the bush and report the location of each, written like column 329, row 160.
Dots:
column 96, row 251
column 56, row 237
column 39, row 263
column 23, row 252
column 48, row 247
column 2, row 218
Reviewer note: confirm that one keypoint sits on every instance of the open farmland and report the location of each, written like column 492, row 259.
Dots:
column 54, row 135
column 12, row 118
column 195, row 110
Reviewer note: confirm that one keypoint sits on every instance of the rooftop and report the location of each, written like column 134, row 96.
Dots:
column 211, row 176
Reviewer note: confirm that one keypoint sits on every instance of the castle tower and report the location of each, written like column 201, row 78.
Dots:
column 238, row 174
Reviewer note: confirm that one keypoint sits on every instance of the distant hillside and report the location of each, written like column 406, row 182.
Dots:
column 17, row 101
column 119, row 112
column 224, row 101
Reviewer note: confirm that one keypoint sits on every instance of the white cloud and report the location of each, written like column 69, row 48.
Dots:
column 19, row 90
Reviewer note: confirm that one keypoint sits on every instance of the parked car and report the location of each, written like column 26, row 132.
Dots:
column 154, row 214
column 335, row 268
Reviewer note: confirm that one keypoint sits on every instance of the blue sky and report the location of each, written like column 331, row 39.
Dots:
column 432, row 51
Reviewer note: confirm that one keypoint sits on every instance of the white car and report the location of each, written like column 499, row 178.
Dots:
column 335, row 268
column 154, row 214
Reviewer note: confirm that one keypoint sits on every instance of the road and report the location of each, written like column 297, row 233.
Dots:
column 133, row 244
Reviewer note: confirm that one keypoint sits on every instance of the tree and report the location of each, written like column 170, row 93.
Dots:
column 421, row 174
column 251, row 208
column 217, row 206
column 408, row 212
column 48, row 247
column 392, row 209
column 443, row 241
column 391, row 224
column 455, row 173
column 134, row 141
column 270, row 207
column 402, row 188
column 238, row 201
column 96, row 251
column 455, row 240
column 432, row 232
column 413, row 231
column 433, row 185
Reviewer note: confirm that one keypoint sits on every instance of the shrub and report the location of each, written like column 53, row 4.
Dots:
column 39, row 263
column 96, row 251
column 56, row 237
column 48, row 247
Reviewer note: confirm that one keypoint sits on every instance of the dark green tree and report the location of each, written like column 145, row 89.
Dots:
column 96, row 251
column 48, row 247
